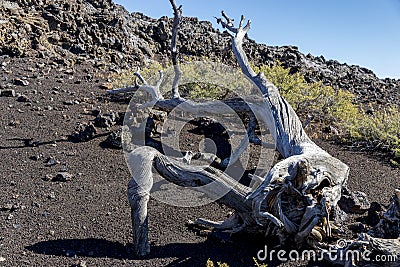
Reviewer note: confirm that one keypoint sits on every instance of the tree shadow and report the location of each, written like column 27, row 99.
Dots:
column 237, row 252
column 218, row 247
column 90, row 247
column 29, row 142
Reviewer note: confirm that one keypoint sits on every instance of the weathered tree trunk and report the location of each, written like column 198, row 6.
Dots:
column 297, row 200
column 307, row 172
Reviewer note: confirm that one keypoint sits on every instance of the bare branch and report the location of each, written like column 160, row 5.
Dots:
column 229, row 21
column 241, row 21
column 137, row 74
column 228, row 24
column 247, row 27
column 160, row 80
column 174, row 50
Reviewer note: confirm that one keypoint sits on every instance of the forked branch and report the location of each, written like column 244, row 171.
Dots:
column 290, row 137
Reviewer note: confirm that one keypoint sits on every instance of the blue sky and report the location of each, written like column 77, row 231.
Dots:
column 360, row 32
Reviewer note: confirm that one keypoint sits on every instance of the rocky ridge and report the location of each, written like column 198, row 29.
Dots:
column 80, row 30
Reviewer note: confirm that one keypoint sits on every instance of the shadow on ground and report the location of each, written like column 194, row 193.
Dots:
column 184, row 254
column 91, row 247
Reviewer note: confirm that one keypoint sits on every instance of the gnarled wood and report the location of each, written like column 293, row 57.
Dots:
column 296, row 200
column 306, row 168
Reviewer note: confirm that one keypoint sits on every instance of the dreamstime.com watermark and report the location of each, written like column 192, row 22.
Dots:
column 336, row 253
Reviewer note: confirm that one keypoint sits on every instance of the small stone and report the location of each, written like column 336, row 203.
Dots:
column 10, row 217
column 51, row 162
column 109, row 119
column 2, row 259
column 52, row 233
column 47, row 178
column 114, row 140
column 68, row 103
column 8, row 93
column 52, row 195
column 23, row 98
column 14, row 123
column 69, row 71
column 21, row 82
column 6, row 207
column 32, row 143
column 86, row 132
column 62, row 177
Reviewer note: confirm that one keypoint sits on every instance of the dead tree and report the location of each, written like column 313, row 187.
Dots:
column 297, row 200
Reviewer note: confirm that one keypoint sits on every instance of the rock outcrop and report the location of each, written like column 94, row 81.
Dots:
column 78, row 30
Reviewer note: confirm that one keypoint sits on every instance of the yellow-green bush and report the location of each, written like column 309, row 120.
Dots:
column 383, row 125
column 310, row 98
column 210, row 263
column 200, row 79
column 337, row 107
column 128, row 78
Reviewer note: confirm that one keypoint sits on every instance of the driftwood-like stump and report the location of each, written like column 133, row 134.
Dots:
column 297, row 200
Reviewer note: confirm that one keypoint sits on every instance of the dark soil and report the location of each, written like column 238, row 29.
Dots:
column 86, row 220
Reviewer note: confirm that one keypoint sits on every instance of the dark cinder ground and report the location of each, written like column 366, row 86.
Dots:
column 86, row 221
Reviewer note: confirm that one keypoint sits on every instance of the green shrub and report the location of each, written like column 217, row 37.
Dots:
column 382, row 126
column 210, row 263
column 127, row 78
column 313, row 99
column 200, row 79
